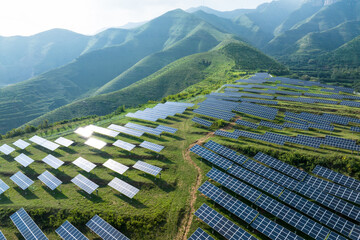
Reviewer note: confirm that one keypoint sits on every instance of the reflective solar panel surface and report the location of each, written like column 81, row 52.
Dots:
column 102, row 131
column 222, row 225
column 124, row 145
column 84, row 183
column 200, row 234
column 95, row 143
column 104, row 229
column 226, row 152
column 68, row 232
column 128, row 131
column 64, row 142
column 148, row 168
column 21, row 144
column 116, row 166
column 202, row 122
column 3, row 187
column 26, row 226
column 152, row 146
column 24, row 160
column 53, row 161
column 211, row 157
column 123, row 187
column 149, row 130
column 6, row 149
column 84, row 132
column 50, row 180
column 2, row 237
column 21, row 180
column 166, row 129
column 84, row 164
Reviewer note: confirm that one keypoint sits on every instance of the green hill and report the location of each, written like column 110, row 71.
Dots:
column 210, row 67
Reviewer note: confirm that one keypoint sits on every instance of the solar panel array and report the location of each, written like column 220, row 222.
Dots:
column 148, row 168
column 355, row 129
column 296, row 126
column 50, row 180
column 21, row 180
column 103, row 131
column 152, row 146
column 6, row 149
column 3, row 187
column 350, row 104
column 104, row 229
column 95, row 143
column 52, row 161
column 271, row 125
column 247, row 124
column 202, row 122
column 84, row 164
column 24, row 160
column 211, row 157
column 269, row 102
column 26, row 226
column 21, row 144
column 225, row 115
column 83, row 132
column 84, row 183
column 293, row 87
column 123, row 187
column 128, row 131
column 68, row 232
column 44, row 143
column 63, row 141
column 116, row 166
column 2, row 237
column 149, row 130
column 200, row 234
column 337, row 177
column 222, row 225
column 166, row 129
column 124, row 145
column 226, row 152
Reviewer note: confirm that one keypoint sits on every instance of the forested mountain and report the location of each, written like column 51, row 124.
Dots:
column 63, row 68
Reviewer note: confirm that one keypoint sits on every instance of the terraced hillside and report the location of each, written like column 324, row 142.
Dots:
column 303, row 124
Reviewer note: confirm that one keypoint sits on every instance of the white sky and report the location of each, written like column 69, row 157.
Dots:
column 27, row 17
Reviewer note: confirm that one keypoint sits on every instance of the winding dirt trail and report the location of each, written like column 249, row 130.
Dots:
column 188, row 218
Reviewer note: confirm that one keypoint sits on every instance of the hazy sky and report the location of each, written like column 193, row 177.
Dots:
column 27, row 17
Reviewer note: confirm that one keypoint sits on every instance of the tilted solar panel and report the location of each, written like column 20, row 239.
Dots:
column 226, row 152
column 149, row 130
column 131, row 132
column 148, row 168
column 24, row 160
column 102, row 131
column 116, row 166
column 104, row 229
column 6, row 149
column 202, row 122
column 84, row 183
column 95, row 143
column 123, row 187
column 2, row 237
column 21, row 144
column 84, row 164
column 166, row 129
column 199, row 234
column 3, row 187
column 50, row 180
column 21, row 180
column 53, row 161
column 221, row 224
column 151, row 146
column 68, row 232
column 26, row 226
column 211, row 157
column 64, row 142
column 84, row 132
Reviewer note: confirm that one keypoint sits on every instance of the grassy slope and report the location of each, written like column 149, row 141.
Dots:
column 170, row 80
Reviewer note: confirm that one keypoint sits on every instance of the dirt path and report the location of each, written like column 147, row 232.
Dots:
column 184, row 229
column 188, row 218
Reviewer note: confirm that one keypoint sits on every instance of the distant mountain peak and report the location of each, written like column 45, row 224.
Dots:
column 322, row 2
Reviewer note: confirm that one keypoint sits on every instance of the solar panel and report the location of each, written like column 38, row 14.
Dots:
column 148, row 168
column 337, row 177
column 202, row 122
column 50, row 180
column 166, row 129
column 280, row 166
column 6, row 149
column 271, row 125
column 124, row 145
column 102, row 131
column 84, row 132
column 2, row 237
column 68, row 232
column 95, row 143
column 221, row 224
column 50, row 145
column 64, row 142
column 199, row 234
column 152, row 146
column 38, row 140
column 21, row 180
column 149, row 130
column 53, row 161
column 222, row 133
column 123, row 187
column 211, row 157
column 26, row 226
column 104, row 229
column 84, row 164
column 247, row 124
column 84, row 183
column 128, row 131
column 228, row 202
column 116, row 166
column 3, row 187
column 21, row 144
column 226, row 152
column 24, row 160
